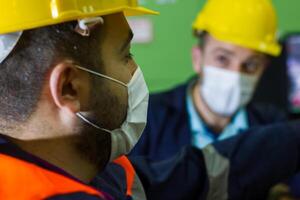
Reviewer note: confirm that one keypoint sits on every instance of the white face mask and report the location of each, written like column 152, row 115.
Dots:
column 124, row 138
column 225, row 91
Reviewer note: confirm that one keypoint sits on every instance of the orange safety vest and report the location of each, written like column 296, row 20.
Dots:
column 21, row 180
column 129, row 171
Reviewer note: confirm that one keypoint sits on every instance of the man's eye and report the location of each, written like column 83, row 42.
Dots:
column 222, row 60
column 129, row 57
column 252, row 67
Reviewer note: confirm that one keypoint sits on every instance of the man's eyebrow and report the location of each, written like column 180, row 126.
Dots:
column 223, row 50
column 128, row 41
column 258, row 56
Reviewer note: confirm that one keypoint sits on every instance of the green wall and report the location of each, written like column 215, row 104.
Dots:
column 166, row 61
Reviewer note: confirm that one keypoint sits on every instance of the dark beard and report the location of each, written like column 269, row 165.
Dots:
column 94, row 144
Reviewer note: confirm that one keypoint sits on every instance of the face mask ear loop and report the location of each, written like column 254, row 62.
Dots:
column 91, row 123
column 101, row 75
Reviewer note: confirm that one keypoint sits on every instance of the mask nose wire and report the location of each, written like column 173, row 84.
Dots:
column 101, row 75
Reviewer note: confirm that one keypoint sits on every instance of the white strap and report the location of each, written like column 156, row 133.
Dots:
column 7, row 44
column 85, row 25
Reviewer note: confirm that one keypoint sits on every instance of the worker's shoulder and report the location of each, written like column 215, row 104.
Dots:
column 170, row 97
column 75, row 196
column 263, row 113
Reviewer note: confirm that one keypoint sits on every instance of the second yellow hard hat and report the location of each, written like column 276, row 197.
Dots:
column 248, row 23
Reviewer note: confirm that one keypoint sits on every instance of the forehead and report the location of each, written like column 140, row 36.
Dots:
column 215, row 45
column 116, row 29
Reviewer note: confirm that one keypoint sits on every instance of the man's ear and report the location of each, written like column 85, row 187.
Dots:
column 65, row 86
column 197, row 59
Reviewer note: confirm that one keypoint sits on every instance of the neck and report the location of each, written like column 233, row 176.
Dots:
column 214, row 121
column 62, row 154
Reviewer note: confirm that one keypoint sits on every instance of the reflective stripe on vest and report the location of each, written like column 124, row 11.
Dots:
column 130, row 172
column 27, row 181
column 135, row 188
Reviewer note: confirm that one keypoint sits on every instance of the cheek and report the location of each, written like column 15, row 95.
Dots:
column 210, row 59
column 196, row 59
column 260, row 72
column 118, row 69
column 132, row 67
column 120, row 92
column 112, row 105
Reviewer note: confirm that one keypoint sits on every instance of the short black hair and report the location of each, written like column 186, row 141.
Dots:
column 201, row 37
column 24, row 71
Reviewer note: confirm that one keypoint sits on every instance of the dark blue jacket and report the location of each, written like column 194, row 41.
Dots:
column 255, row 161
column 168, row 129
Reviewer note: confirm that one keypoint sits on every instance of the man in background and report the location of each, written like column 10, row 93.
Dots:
column 235, row 42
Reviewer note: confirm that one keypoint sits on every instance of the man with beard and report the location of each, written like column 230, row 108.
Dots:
column 72, row 99
column 65, row 67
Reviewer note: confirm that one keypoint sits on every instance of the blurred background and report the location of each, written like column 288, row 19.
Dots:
column 162, row 47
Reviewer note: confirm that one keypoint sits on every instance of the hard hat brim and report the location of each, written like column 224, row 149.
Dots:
column 75, row 15
column 272, row 49
column 139, row 11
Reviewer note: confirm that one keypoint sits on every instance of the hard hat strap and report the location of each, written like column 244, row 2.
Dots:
column 8, row 43
column 85, row 26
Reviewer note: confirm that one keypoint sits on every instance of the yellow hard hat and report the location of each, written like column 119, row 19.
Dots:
column 248, row 23
column 17, row 15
